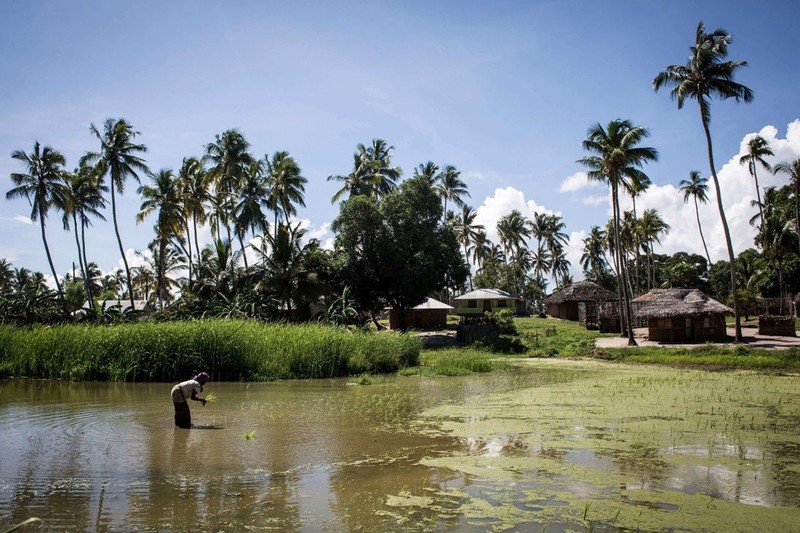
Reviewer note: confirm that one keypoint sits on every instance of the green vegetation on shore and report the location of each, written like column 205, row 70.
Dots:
column 227, row 349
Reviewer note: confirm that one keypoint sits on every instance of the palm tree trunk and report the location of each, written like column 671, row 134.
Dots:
column 797, row 210
column 703, row 240
column 623, row 269
column 189, row 244
column 119, row 241
column 50, row 261
column 758, row 194
column 466, row 256
column 196, row 244
column 244, row 255
column 80, row 261
column 728, row 242
column 85, row 262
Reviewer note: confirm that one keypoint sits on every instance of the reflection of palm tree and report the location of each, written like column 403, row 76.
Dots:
column 757, row 149
column 696, row 187
column 118, row 158
column 792, row 169
column 616, row 159
column 41, row 185
column 704, row 76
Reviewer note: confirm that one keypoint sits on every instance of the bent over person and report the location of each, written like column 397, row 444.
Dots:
column 182, row 393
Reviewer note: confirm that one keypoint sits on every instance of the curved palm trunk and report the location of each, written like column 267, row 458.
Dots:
column 81, row 263
column 622, row 268
column 50, row 261
column 119, row 242
column 758, row 194
column 196, row 245
column 244, row 255
column 89, row 292
column 189, row 245
column 703, row 239
column 728, row 241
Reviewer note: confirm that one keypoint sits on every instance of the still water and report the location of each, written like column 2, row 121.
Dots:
column 552, row 445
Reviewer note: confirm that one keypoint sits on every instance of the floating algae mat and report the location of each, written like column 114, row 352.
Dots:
column 624, row 448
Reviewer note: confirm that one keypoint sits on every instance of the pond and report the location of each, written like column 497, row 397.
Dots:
column 552, row 445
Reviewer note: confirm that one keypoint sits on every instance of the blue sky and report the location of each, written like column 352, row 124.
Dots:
column 505, row 91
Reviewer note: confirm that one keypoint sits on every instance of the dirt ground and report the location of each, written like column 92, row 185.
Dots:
column 751, row 339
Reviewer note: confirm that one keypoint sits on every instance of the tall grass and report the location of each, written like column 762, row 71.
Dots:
column 454, row 362
column 226, row 349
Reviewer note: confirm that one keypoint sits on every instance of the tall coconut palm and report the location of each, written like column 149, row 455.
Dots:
column 512, row 229
column 83, row 194
column 696, row 187
column 593, row 258
column 229, row 161
column 6, row 273
column 450, row 186
column 757, row 149
column 651, row 227
column 164, row 198
column 372, row 175
column 248, row 213
column 467, row 232
column 194, row 185
column 118, row 160
column 285, row 185
column 42, row 186
column 792, row 169
column 430, row 170
column 704, row 76
column 481, row 248
column 616, row 159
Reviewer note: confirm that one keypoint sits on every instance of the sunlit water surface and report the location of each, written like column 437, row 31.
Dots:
column 552, row 445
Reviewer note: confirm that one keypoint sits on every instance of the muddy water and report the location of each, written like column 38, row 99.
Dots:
column 552, row 446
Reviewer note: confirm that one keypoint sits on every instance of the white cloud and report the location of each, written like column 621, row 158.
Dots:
column 578, row 181
column 597, row 199
column 24, row 219
column 738, row 191
column 501, row 204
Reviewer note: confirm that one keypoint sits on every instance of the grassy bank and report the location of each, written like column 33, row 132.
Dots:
column 227, row 349
column 706, row 356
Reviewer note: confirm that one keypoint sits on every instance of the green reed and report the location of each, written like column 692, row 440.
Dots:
column 226, row 349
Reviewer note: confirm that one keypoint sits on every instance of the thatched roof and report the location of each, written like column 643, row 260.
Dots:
column 582, row 291
column 664, row 303
column 486, row 294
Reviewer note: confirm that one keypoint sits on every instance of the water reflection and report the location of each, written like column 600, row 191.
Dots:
column 583, row 447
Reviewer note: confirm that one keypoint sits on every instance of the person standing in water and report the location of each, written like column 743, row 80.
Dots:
column 182, row 393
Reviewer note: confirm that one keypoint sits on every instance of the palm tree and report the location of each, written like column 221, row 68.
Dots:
column 41, row 184
column 616, row 159
column 248, row 213
column 757, row 149
column 707, row 75
column 430, row 170
column 696, row 187
column 481, row 248
column 512, row 229
column 285, row 184
column 593, row 258
column 651, row 226
column 792, row 169
column 6, row 274
column 83, row 194
column 467, row 232
column 119, row 160
column 372, row 174
column 450, row 186
column 229, row 163
column 164, row 198
column 194, row 190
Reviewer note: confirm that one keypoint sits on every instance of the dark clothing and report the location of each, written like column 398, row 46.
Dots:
column 183, row 417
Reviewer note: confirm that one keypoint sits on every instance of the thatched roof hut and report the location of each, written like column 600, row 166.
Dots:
column 568, row 302
column 682, row 315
